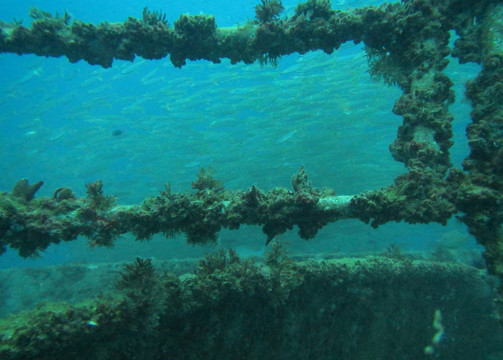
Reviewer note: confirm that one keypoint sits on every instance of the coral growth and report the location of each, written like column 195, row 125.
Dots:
column 24, row 191
column 154, row 18
column 96, row 197
column 268, row 10
column 195, row 39
column 205, row 181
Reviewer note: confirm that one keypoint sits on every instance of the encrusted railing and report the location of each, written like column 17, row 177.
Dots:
column 407, row 44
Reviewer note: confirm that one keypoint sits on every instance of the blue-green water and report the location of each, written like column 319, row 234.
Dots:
column 251, row 124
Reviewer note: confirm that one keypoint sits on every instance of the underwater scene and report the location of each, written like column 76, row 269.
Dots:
column 251, row 180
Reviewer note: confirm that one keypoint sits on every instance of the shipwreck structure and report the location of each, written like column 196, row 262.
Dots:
column 407, row 44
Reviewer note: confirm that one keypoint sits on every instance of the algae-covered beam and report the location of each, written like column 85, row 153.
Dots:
column 416, row 63
column 481, row 199
column 314, row 25
column 30, row 225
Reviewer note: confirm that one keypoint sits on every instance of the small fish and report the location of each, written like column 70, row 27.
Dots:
column 91, row 81
column 30, row 75
column 117, row 132
column 294, row 68
column 133, row 67
column 192, row 164
column 287, row 136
